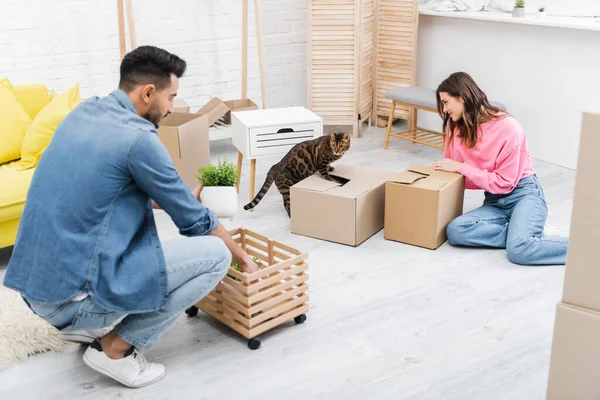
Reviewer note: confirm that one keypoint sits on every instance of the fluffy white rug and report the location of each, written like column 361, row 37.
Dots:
column 22, row 333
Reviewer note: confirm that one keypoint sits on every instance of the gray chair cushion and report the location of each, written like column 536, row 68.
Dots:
column 422, row 97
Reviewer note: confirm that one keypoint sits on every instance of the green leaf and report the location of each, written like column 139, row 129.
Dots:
column 222, row 174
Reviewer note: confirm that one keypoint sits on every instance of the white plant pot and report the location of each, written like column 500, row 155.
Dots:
column 518, row 12
column 542, row 14
column 222, row 200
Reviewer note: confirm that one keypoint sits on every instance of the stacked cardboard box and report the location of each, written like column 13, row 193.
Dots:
column 575, row 359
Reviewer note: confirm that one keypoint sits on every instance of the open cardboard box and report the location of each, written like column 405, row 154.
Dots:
column 238, row 105
column 420, row 203
column 186, row 138
column 348, row 211
column 180, row 106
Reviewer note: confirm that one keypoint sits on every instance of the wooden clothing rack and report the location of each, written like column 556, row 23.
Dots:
column 128, row 7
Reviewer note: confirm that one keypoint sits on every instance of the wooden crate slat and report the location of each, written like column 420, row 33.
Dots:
column 225, row 310
column 286, row 283
column 280, row 266
column 279, row 298
column 269, row 281
column 268, row 325
column 287, row 248
column 256, row 245
column 277, row 311
column 230, row 322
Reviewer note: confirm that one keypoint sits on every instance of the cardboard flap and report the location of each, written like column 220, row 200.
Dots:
column 180, row 106
column 316, row 184
column 214, row 110
column 431, row 184
column 408, row 177
column 422, row 169
column 177, row 119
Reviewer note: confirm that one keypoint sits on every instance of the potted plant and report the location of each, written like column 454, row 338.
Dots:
column 519, row 10
column 219, row 192
column 542, row 11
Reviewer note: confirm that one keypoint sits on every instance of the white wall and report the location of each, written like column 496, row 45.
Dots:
column 60, row 42
column 545, row 76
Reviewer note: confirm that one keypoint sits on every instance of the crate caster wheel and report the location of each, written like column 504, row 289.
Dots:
column 300, row 319
column 192, row 311
column 254, row 343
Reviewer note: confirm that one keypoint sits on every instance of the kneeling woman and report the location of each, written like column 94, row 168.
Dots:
column 489, row 148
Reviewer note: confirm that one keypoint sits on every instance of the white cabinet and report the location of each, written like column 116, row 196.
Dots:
column 258, row 133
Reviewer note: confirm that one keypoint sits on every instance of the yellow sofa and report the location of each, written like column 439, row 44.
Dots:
column 30, row 115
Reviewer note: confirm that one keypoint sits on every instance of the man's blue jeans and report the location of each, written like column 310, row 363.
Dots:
column 195, row 265
column 514, row 221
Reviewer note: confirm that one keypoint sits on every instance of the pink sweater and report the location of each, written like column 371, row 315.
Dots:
column 499, row 160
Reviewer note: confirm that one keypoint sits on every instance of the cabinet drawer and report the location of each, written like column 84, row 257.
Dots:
column 280, row 139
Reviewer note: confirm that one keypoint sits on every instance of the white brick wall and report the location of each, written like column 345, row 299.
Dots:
column 61, row 42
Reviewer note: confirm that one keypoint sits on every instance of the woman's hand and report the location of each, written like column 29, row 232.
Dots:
column 447, row 165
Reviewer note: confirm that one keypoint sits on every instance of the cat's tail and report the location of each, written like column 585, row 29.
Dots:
column 263, row 190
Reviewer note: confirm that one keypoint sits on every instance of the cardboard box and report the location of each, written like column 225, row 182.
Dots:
column 238, row 105
column 186, row 138
column 582, row 273
column 419, row 205
column 575, row 355
column 349, row 212
column 180, row 106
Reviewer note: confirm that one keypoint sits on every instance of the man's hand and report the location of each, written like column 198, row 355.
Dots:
column 248, row 266
column 238, row 255
column 196, row 192
column 447, row 165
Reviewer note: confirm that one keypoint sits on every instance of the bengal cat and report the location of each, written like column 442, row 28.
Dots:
column 303, row 160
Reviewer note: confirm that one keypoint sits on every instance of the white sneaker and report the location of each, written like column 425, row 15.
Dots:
column 552, row 231
column 82, row 337
column 132, row 370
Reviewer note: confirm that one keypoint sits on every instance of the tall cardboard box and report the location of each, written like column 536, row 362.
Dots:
column 185, row 137
column 349, row 211
column 582, row 274
column 420, row 203
column 575, row 360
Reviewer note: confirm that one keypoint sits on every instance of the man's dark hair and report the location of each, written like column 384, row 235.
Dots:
column 149, row 64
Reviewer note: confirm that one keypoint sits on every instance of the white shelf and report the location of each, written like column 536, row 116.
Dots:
column 590, row 24
column 276, row 116
column 219, row 130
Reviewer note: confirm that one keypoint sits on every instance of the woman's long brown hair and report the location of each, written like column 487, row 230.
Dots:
column 477, row 108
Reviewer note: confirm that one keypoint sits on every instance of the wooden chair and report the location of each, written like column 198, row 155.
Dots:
column 417, row 98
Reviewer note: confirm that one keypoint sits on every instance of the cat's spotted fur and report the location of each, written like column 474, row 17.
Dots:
column 303, row 160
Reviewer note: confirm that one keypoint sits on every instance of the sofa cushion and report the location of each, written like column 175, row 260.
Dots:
column 15, row 185
column 14, row 123
column 44, row 125
column 32, row 97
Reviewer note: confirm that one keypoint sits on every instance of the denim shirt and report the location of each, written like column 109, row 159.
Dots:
column 88, row 226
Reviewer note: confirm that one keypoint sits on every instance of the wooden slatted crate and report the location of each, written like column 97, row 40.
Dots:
column 340, row 53
column 396, row 27
column 252, row 304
